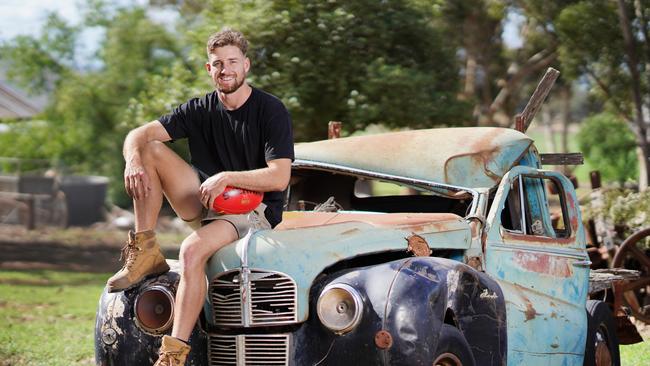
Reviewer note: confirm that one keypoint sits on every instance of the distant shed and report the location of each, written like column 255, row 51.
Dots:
column 16, row 105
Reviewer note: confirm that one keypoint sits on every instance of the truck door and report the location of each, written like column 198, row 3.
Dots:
column 536, row 252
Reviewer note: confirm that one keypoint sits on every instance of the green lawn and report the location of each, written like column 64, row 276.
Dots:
column 543, row 144
column 47, row 318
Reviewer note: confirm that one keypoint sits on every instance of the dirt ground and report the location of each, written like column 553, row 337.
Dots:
column 95, row 249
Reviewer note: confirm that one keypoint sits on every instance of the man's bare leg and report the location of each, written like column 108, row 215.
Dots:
column 195, row 252
column 169, row 175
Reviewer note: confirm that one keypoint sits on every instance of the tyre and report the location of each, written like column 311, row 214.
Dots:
column 602, row 343
column 453, row 349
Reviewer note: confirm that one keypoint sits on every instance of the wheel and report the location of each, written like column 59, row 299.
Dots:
column 602, row 343
column 634, row 253
column 453, row 349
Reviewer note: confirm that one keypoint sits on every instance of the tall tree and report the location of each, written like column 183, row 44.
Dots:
column 475, row 29
column 598, row 38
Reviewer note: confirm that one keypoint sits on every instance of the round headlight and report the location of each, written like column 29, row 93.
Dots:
column 339, row 307
column 154, row 309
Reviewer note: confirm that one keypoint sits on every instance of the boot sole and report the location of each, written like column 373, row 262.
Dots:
column 137, row 283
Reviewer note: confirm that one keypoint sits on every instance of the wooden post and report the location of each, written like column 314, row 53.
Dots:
column 334, row 130
column 594, row 175
column 524, row 119
column 31, row 212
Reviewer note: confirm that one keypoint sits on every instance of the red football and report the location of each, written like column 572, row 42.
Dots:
column 235, row 201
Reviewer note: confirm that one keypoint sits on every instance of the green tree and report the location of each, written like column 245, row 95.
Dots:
column 88, row 109
column 475, row 29
column 360, row 62
column 607, row 41
column 608, row 146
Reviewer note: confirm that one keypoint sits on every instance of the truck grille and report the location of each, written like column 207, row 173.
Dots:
column 272, row 299
column 249, row 350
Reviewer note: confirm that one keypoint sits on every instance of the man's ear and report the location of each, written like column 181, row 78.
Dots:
column 208, row 67
column 247, row 64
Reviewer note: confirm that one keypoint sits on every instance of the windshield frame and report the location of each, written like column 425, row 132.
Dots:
column 439, row 189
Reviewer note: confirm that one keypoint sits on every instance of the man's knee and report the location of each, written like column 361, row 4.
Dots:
column 154, row 151
column 191, row 256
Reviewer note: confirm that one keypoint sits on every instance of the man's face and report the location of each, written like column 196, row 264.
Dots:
column 227, row 67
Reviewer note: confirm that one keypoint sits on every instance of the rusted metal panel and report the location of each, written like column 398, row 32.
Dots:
column 418, row 246
column 303, row 219
column 544, row 279
column 304, row 253
column 470, row 157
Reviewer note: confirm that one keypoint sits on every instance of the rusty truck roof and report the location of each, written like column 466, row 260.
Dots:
column 469, row 157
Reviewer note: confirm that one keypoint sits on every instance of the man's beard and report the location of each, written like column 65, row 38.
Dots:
column 231, row 89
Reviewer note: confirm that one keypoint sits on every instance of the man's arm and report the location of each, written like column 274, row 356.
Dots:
column 136, row 180
column 275, row 177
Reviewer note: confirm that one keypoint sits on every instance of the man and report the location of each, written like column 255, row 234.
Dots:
column 238, row 136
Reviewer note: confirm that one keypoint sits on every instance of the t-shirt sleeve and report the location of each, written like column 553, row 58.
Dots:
column 178, row 121
column 279, row 133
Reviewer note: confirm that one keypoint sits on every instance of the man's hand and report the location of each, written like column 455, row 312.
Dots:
column 136, row 180
column 212, row 187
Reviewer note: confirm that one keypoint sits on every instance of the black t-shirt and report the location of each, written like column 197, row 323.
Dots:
column 242, row 139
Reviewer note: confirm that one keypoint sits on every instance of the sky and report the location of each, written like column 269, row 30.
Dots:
column 27, row 16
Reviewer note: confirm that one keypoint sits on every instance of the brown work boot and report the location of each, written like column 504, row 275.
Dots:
column 173, row 352
column 142, row 258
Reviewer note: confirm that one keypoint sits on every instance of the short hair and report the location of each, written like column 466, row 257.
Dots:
column 227, row 37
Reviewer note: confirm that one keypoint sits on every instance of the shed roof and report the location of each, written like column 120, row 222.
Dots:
column 14, row 104
column 469, row 157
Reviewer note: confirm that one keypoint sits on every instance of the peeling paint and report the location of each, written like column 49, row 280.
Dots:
column 418, row 246
column 544, row 263
column 471, row 157
column 530, row 311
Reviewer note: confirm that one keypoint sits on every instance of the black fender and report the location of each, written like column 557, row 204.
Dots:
column 314, row 344
column 119, row 340
column 410, row 299
column 478, row 307
column 429, row 291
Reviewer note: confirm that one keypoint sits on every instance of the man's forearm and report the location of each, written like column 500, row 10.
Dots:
column 261, row 180
column 133, row 144
column 275, row 177
column 137, row 139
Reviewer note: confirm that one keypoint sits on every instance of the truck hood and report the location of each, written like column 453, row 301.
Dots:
column 308, row 242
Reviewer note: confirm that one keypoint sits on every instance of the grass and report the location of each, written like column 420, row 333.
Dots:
column 636, row 354
column 47, row 318
column 545, row 146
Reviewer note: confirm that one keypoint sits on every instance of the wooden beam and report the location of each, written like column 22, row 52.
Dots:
column 562, row 159
column 525, row 118
column 334, row 130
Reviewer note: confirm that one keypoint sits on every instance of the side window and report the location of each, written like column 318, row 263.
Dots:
column 558, row 210
column 536, row 206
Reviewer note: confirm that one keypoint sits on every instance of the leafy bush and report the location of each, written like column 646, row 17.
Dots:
column 625, row 208
column 609, row 146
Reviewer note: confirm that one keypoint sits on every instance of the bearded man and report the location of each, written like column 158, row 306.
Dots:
column 238, row 136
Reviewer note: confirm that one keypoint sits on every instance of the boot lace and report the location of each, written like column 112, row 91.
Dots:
column 170, row 358
column 129, row 254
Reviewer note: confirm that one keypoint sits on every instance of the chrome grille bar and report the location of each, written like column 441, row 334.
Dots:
column 248, row 350
column 253, row 297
